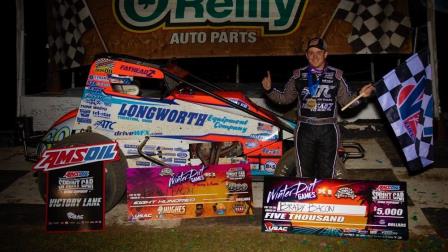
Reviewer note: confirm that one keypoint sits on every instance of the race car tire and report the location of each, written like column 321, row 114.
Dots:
column 115, row 170
column 286, row 167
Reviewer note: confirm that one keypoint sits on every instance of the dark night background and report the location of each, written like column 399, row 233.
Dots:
column 217, row 70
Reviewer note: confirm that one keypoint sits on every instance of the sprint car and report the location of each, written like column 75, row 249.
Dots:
column 191, row 121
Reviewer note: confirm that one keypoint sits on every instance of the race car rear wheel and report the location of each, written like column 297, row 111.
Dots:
column 115, row 170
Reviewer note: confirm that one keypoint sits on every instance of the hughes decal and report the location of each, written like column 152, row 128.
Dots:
column 275, row 17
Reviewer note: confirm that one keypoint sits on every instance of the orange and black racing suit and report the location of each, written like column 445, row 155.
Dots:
column 317, row 136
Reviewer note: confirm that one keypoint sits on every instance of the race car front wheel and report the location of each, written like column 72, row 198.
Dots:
column 115, row 170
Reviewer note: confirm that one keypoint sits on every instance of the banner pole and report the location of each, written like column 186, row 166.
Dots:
column 357, row 98
column 96, row 27
column 20, row 47
column 432, row 43
column 322, row 35
column 352, row 101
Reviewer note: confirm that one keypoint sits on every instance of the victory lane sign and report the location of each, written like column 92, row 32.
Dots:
column 76, row 186
column 75, row 198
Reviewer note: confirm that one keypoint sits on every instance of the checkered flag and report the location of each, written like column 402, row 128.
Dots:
column 347, row 10
column 405, row 95
column 377, row 27
column 72, row 19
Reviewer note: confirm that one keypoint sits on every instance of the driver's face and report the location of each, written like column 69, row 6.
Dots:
column 316, row 57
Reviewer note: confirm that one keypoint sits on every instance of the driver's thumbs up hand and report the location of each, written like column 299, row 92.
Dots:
column 267, row 83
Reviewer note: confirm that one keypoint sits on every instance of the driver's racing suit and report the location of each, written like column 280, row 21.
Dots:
column 317, row 136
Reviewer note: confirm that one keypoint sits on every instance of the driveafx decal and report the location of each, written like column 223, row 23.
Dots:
column 61, row 158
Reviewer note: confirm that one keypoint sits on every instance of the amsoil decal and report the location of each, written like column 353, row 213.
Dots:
column 60, row 158
column 274, row 17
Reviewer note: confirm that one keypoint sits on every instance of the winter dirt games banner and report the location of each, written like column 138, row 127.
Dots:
column 76, row 198
column 164, row 29
column 344, row 208
column 189, row 192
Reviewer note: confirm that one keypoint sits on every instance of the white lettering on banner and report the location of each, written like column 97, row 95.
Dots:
column 297, row 191
column 75, row 202
column 233, row 37
column 386, row 196
column 188, row 38
column 191, row 175
column 320, row 218
column 275, row 216
column 90, row 202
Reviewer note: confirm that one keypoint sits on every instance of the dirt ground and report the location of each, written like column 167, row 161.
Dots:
column 23, row 228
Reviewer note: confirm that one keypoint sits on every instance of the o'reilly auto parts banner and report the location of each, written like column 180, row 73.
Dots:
column 163, row 29
column 76, row 198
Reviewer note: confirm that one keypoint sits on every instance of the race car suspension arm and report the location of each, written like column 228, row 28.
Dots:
column 154, row 160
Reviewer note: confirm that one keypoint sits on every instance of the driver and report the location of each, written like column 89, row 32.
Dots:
column 318, row 89
column 124, row 84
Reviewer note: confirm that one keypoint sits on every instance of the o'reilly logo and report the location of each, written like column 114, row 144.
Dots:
column 274, row 16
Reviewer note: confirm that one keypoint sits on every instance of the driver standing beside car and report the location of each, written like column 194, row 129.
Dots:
column 318, row 87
